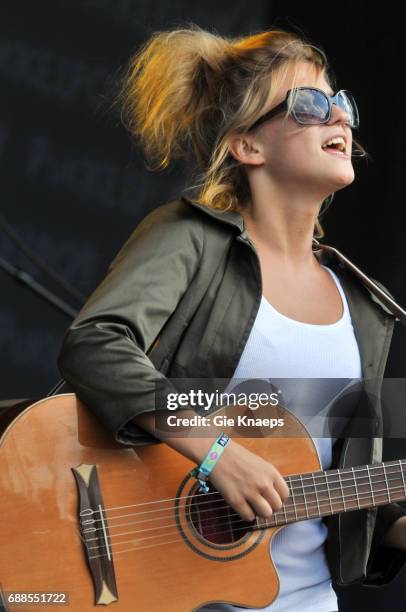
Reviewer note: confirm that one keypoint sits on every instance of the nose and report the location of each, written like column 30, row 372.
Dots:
column 338, row 114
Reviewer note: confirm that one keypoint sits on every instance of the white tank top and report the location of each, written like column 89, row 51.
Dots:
column 286, row 352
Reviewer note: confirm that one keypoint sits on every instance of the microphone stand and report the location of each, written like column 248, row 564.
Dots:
column 26, row 279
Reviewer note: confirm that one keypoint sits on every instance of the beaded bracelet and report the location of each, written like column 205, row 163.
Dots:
column 203, row 472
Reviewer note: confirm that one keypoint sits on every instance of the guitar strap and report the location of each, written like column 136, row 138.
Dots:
column 386, row 299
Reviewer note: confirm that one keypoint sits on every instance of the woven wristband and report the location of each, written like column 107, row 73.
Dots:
column 203, row 472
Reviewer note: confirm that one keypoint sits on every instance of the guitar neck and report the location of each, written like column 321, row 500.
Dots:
column 318, row 494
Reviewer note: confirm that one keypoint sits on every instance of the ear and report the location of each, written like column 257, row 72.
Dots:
column 246, row 149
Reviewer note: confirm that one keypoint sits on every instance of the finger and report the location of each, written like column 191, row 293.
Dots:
column 275, row 501
column 246, row 512
column 272, row 496
column 281, row 486
column 261, row 506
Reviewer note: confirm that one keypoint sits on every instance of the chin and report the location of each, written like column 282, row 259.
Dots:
column 340, row 186
column 343, row 178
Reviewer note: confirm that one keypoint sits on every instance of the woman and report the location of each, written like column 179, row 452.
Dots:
column 264, row 178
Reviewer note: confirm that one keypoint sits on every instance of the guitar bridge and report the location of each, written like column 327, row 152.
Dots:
column 95, row 534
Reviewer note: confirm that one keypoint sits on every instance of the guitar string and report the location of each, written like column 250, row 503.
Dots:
column 181, row 540
column 309, row 506
column 248, row 528
column 292, row 478
column 221, row 500
column 252, row 528
column 228, row 524
column 224, row 506
column 314, row 486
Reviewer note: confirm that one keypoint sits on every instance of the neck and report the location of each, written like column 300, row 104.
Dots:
column 330, row 492
column 282, row 223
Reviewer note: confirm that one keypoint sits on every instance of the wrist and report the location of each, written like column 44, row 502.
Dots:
column 204, row 470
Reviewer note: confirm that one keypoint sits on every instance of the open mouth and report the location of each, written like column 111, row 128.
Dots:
column 336, row 146
column 337, row 152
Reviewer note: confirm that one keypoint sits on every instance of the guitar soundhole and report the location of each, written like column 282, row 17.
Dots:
column 215, row 520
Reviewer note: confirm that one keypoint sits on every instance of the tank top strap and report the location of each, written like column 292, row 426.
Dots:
column 346, row 312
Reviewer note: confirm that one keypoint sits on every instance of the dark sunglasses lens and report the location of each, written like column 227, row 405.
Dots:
column 347, row 103
column 310, row 106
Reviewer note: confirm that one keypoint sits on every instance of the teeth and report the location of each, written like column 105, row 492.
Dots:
column 338, row 140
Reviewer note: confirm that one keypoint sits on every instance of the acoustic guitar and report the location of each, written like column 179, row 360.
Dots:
column 86, row 521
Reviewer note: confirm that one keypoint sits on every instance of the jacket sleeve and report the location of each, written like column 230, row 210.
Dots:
column 103, row 352
column 385, row 562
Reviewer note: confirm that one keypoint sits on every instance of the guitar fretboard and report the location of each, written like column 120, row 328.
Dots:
column 317, row 494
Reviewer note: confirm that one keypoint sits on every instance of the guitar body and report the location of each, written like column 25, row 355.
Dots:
column 161, row 558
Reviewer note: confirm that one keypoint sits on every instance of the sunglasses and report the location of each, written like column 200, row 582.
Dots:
column 312, row 106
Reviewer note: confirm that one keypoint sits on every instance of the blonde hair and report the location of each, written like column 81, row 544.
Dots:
column 187, row 90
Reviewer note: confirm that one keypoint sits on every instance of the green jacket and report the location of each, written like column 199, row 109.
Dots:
column 179, row 301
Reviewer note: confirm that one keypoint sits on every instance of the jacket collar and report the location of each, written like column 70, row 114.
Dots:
column 231, row 217
column 235, row 219
column 326, row 255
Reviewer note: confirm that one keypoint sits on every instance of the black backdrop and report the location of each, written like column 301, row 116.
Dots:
column 73, row 188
